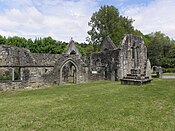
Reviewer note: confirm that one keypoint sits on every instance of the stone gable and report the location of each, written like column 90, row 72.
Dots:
column 107, row 44
column 72, row 49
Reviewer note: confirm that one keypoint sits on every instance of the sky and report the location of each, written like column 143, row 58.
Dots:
column 63, row 19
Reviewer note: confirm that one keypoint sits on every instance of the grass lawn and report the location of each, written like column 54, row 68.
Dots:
column 102, row 105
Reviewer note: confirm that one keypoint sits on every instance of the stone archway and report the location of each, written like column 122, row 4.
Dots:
column 69, row 72
column 158, row 71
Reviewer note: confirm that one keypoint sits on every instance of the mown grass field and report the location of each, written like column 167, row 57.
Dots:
column 102, row 105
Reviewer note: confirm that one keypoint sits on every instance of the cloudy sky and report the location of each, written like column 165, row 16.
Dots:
column 63, row 19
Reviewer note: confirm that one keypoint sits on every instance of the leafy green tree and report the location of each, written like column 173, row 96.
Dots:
column 85, row 49
column 108, row 22
column 2, row 40
column 17, row 41
column 160, row 49
column 171, row 56
column 39, row 45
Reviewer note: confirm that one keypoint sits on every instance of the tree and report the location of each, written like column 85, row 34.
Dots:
column 171, row 56
column 108, row 22
column 2, row 40
column 85, row 49
column 39, row 45
column 17, row 41
column 160, row 49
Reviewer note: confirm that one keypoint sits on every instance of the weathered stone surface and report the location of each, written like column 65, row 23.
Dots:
column 136, row 67
column 13, row 56
column 107, row 44
column 46, row 59
column 106, row 64
column 72, row 49
column 148, row 69
column 133, row 53
column 158, row 71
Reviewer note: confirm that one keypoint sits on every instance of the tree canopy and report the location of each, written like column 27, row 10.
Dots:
column 108, row 22
column 45, row 45
column 161, row 50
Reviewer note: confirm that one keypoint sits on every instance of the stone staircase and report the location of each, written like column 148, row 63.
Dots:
column 135, row 78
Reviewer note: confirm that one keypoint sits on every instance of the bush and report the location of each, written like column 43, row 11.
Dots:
column 168, row 70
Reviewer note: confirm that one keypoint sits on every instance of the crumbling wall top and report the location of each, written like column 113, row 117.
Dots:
column 10, row 55
column 107, row 44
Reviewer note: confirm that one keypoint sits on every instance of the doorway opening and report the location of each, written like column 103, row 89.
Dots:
column 69, row 73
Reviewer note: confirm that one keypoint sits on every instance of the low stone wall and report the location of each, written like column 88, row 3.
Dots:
column 10, row 86
column 5, row 86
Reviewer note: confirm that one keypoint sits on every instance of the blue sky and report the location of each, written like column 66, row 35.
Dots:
column 63, row 19
column 120, row 3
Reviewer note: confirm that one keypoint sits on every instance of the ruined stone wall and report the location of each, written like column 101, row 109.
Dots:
column 47, row 69
column 11, row 86
column 35, row 69
column 10, row 55
column 14, row 56
column 35, row 74
column 21, row 85
column 81, row 76
column 104, row 65
column 133, row 54
column 30, row 77
column 46, row 59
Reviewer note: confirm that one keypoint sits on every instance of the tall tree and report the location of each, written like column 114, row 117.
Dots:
column 159, row 49
column 107, row 21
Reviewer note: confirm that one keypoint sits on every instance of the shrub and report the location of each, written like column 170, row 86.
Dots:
column 168, row 70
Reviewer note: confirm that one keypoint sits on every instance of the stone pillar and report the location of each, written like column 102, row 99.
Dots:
column 13, row 74
column 135, row 57
column 138, row 57
column 60, row 77
column 74, row 75
column 113, row 76
column 21, row 74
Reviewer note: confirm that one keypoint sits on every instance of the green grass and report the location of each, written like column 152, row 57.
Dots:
column 102, row 105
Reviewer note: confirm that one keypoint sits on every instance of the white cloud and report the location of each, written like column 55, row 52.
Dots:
column 158, row 15
column 60, row 19
column 63, row 19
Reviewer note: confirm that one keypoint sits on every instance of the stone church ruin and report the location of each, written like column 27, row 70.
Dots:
column 19, row 68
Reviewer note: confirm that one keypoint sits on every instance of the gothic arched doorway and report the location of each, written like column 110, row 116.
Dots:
column 69, row 73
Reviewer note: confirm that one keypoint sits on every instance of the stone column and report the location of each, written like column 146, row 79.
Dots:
column 135, row 57
column 21, row 74
column 138, row 57
column 13, row 74
column 113, row 75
